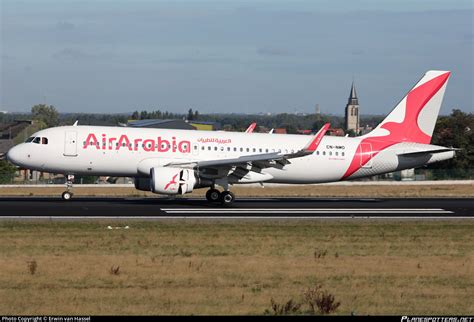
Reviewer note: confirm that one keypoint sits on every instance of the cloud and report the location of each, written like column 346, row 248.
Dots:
column 65, row 26
column 7, row 57
column 79, row 55
column 193, row 60
column 70, row 53
column 273, row 51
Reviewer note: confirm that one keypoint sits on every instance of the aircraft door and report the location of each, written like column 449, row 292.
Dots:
column 70, row 144
column 365, row 153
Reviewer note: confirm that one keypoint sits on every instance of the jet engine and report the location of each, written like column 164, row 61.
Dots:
column 172, row 181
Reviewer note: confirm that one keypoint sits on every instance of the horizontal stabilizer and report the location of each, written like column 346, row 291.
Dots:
column 418, row 153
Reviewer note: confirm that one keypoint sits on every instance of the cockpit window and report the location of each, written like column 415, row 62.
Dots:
column 29, row 139
column 44, row 140
column 37, row 139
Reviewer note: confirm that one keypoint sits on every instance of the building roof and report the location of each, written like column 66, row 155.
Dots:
column 280, row 131
column 164, row 124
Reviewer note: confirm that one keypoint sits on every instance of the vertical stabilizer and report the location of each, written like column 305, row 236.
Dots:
column 414, row 118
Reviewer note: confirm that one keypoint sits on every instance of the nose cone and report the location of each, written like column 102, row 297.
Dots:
column 13, row 155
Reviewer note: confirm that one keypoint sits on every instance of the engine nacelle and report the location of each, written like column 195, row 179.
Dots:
column 142, row 184
column 172, row 181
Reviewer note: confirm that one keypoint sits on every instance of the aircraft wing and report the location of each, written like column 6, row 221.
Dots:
column 260, row 160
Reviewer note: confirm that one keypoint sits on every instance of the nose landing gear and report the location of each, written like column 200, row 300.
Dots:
column 67, row 195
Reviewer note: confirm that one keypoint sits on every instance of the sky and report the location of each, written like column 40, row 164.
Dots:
column 230, row 56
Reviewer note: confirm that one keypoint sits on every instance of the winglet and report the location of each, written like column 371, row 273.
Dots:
column 251, row 128
column 315, row 140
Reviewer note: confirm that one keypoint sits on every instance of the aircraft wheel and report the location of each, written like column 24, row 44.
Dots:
column 227, row 198
column 66, row 195
column 213, row 195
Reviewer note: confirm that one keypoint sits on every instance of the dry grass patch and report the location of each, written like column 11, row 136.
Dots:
column 371, row 191
column 196, row 267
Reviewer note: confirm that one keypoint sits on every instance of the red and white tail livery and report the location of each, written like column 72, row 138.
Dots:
column 178, row 161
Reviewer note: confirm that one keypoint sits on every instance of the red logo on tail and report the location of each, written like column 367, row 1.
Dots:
column 406, row 131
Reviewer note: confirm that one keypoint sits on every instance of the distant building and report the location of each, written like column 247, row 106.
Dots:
column 352, row 112
column 317, row 109
column 306, row 132
column 205, row 126
column 366, row 129
column 280, row 131
column 174, row 124
column 162, row 124
column 335, row 132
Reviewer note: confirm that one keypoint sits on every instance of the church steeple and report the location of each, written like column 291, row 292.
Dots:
column 353, row 96
column 352, row 112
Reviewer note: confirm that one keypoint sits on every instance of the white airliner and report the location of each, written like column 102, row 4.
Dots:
column 174, row 162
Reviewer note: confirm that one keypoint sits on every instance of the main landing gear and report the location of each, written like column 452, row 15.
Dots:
column 67, row 195
column 226, row 198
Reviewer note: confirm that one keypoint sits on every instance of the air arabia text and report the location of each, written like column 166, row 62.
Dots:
column 148, row 145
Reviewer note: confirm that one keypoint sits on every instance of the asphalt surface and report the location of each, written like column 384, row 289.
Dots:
column 243, row 208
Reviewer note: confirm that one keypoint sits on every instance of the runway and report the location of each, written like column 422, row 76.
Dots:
column 245, row 208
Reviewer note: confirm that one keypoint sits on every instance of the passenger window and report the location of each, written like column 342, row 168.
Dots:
column 317, row 152
column 260, row 150
column 342, row 153
column 324, row 152
column 266, row 150
column 215, row 148
column 241, row 149
column 209, row 148
column 336, row 153
column 248, row 149
column 228, row 148
column 37, row 140
column 254, row 150
column 330, row 152
column 235, row 149
column 195, row 147
column 203, row 148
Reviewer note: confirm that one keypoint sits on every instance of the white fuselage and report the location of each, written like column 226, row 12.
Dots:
column 130, row 152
